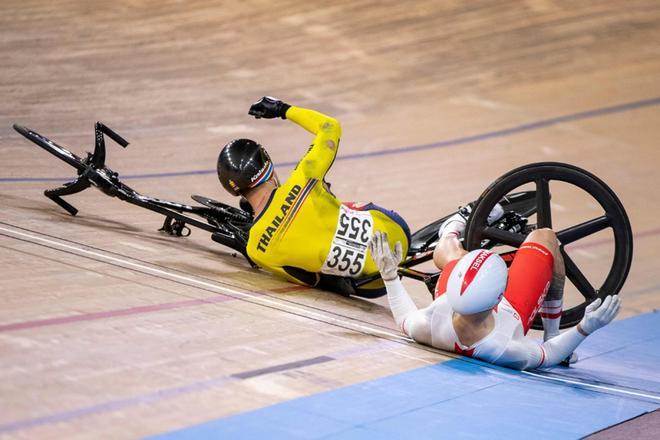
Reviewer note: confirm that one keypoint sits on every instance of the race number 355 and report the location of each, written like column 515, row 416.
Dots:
column 343, row 259
column 349, row 245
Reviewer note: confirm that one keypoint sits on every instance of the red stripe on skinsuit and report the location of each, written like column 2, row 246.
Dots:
column 473, row 269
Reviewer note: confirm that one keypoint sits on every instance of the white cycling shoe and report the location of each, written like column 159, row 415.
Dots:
column 456, row 223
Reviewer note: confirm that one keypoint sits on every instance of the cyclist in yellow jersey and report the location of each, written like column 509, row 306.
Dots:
column 301, row 231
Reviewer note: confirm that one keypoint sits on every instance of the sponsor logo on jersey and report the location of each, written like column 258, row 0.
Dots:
column 535, row 247
column 539, row 303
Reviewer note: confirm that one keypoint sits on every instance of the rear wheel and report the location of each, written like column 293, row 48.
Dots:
column 614, row 218
column 521, row 203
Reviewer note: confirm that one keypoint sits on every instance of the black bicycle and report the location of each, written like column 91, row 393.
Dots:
column 230, row 226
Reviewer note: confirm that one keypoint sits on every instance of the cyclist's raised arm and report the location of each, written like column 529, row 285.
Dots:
column 413, row 322
column 323, row 150
column 327, row 130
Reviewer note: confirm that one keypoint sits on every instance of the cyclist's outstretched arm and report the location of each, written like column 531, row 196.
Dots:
column 326, row 129
column 526, row 353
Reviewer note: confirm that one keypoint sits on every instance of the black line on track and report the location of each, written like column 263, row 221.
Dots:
column 118, row 404
column 282, row 367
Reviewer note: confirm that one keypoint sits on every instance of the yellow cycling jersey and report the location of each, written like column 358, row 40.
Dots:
column 304, row 229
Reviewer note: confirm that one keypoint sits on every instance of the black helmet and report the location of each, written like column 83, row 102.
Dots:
column 243, row 164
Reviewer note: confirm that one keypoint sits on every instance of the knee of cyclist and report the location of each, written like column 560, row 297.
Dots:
column 448, row 249
column 545, row 237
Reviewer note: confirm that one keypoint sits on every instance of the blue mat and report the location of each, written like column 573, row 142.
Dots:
column 467, row 399
column 625, row 354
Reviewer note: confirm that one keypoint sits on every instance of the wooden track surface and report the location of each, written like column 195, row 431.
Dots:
column 124, row 332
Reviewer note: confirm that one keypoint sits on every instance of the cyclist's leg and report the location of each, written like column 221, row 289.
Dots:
column 530, row 275
column 336, row 284
column 552, row 305
column 445, row 256
column 346, row 286
column 448, row 249
column 374, row 289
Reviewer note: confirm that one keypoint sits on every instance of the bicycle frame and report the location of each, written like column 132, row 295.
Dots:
column 92, row 171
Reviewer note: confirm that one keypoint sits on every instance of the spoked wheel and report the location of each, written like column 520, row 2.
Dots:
column 522, row 203
column 614, row 218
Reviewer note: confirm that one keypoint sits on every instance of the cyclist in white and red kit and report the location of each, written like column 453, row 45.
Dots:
column 483, row 310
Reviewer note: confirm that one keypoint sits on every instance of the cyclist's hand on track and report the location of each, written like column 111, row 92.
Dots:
column 269, row 108
column 596, row 317
column 386, row 261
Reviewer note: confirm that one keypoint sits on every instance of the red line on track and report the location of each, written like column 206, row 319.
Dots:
column 195, row 302
column 129, row 311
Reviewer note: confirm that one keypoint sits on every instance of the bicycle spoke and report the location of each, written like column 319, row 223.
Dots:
column 503, row 237
column 575, row 275
column 543, row 213
column 574, row 233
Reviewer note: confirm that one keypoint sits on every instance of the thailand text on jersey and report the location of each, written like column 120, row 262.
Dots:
column 304, row 226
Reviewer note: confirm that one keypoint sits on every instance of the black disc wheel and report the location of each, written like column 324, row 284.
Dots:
column 541, row 175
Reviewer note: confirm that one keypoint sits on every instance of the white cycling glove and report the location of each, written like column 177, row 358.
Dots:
column 596, row 317
column 386, row 261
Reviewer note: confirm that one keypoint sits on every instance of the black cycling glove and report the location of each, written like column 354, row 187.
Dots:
column 269, row 108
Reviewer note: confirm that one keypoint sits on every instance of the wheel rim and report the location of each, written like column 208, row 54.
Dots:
column 615, row 217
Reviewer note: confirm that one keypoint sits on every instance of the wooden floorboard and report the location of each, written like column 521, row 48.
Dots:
column 95, row 340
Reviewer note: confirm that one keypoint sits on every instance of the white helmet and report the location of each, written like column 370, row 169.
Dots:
column 477, row 282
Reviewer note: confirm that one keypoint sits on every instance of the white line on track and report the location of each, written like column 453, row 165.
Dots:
column 231, row 292
column 299, row 310
column 588, row 385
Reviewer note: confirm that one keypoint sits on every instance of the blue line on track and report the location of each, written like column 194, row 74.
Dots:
column 543, row 123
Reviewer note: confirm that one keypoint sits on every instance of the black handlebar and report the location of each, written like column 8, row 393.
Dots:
column 98, row 158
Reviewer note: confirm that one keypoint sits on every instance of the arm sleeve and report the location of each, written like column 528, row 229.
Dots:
column 560, row 347
column 525, row 353
column 322, row 153
column 412, row 321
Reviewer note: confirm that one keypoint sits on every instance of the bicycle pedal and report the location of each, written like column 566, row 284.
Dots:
column 175, row 228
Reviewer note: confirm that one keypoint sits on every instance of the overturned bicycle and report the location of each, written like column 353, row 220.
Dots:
column 524, row 211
